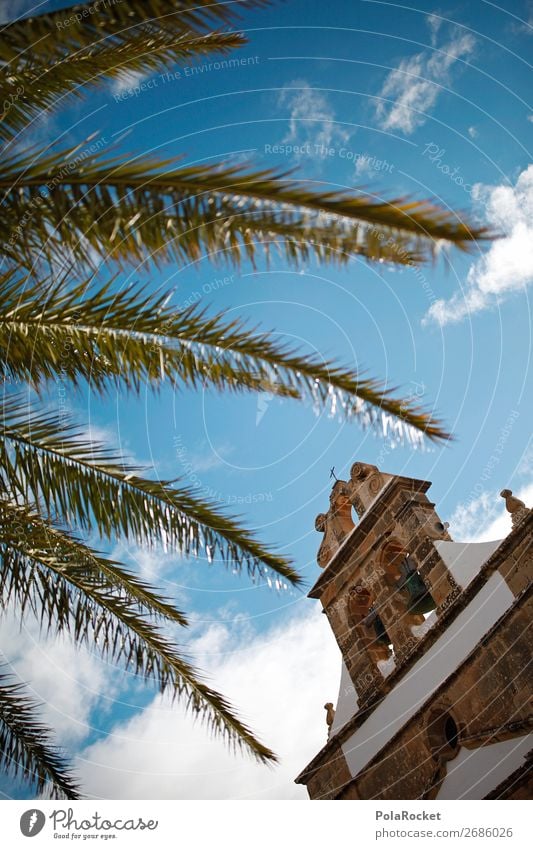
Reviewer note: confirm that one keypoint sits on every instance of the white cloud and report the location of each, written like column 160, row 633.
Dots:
column 363, row 165
column 485, row 518
column 312, row 118
column 525, row 467
column 434, row 23
column 279, row 679
column 473, row 133
column 68, row 682
column 508, row 264
column 207, row 457
column 157, row 566
column 416, row 83
column 128, row 80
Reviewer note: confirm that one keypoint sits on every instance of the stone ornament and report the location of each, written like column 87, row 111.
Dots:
column 365, row 483
column 515, row 507
column 330, row 714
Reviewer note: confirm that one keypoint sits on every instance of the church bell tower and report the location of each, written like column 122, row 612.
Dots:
column 434, row 698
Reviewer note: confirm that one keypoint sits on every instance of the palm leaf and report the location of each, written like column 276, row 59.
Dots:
column 53, row 36
column 25, row 745
column 93, row 612
column 34, row 591
column 134, row 338
column 139, row 52
column 50, row 462
column 147, row 208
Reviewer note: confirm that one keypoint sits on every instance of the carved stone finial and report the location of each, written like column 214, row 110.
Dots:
column 366, row 481
column 336, row 524
column 515, row 507
column 330, row 714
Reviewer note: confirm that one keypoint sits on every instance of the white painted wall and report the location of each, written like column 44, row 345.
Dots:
column 465, row 559
column 475, row 772
column 346, row 702
column 439, row 661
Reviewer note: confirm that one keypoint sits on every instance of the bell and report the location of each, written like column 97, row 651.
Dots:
column 372, row 619
column 420, row 599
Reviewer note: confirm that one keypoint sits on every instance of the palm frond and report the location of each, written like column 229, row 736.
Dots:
column 131, row 337
column 48, row 461
column 53, row 36
column 152, row 209
column 29, row 90
column 26, row 748
column 30, row 591
column 50, row 56
column 92, row 612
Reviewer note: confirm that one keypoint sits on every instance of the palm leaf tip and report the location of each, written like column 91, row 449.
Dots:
column 26, row 748
column 77, row 598
column 225, row 210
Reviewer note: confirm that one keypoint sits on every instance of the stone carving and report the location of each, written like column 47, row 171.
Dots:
column 330, row 714
column 515, row 507
column 359, row 603
column 365, row 483
column 360, row 471
column 336, row 524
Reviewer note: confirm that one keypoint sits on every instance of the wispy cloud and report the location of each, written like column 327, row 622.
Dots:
column 434, row 23
column 280, row 679
column 127, row 80
column 207, row 457
column 485, row 518
column 66, row 680
column 311, row 117
column 523, row 25
column 507, row 266
column 414, row 86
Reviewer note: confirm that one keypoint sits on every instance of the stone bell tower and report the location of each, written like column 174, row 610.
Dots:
column 433, row 700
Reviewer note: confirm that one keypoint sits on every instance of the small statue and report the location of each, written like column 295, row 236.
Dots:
column 515, row 507
column 330, row 715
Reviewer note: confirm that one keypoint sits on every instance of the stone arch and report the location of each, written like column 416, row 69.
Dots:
column 392, row 556
column 400, row 572
column 364, row 617
column 443, row 733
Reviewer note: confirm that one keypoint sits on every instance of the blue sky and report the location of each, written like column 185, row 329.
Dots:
column 430, row 101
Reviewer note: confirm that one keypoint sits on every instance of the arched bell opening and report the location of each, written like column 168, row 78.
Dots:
column 342, row 511
column 364, row 615
column 402, row 574
column 443, row 735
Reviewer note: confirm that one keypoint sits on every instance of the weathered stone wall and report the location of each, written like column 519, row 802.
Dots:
column 489, row 700
column 326, row 781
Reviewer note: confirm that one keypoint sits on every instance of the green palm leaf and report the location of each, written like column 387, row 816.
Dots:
column 93, row 611
column 56, row 35
column 51, row 463
column 25, row 745
column 140, row 52
column 145, row 208
column 134, row 338
column 50, row 56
